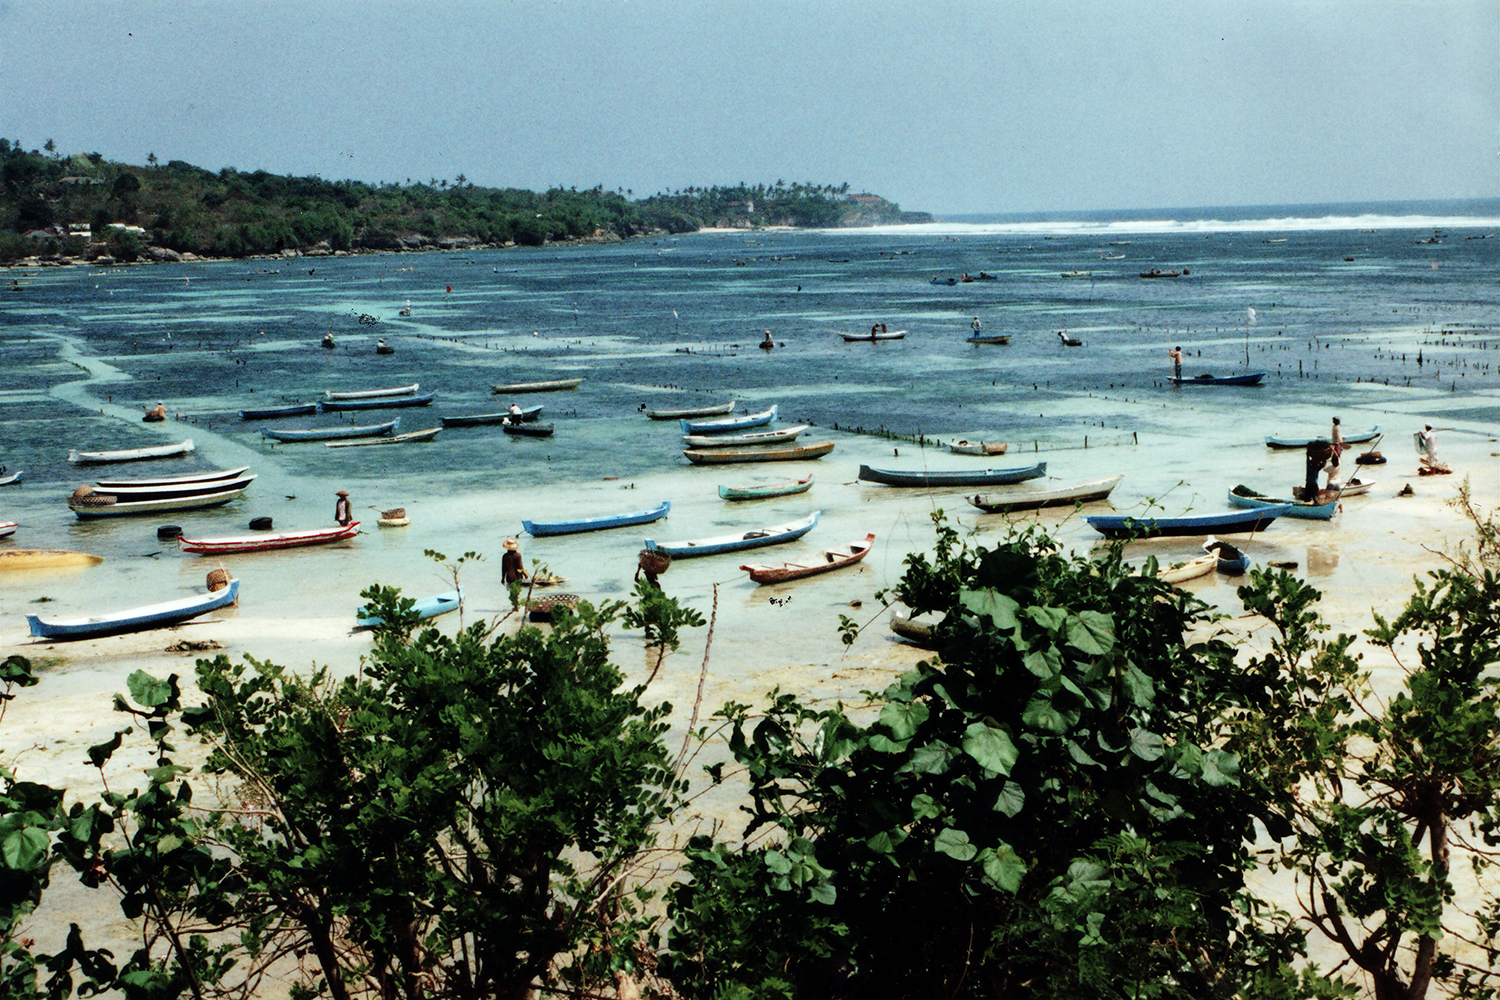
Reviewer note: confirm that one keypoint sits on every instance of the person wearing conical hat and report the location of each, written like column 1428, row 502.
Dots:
column 512, row 569
column 341, row 511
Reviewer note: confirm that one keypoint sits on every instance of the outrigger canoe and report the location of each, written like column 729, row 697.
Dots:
column 425, row 607
column 688, row 414
column 272, row 412
column 135, row 619
column 1220, row 523
column 722, row 424
column 45, row 559
column 576, row 525
column 427, row 434
column 97, row 505
column 1244, row 496
column 130, row 454
column 726, row 456
column 827, row 561
column 1361, row 437
column 952, row 477
column 400, row 390
column 1067, row 496
column 782, row 489
column 554, row 385
column 383, row 403
column 757, row 538
column 331, row 433
column 780, row 436
column 525, row 416
column 264, row 542
column 1251, row 379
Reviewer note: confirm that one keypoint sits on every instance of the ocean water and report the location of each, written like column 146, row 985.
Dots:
column 1388, row 318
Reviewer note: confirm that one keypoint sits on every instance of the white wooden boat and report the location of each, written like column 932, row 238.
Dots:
column 135, row 619
column 892, row 335
column 19, row 559
column 105, row 485
column 264, row 542
column 690, row 413
column 1190, row 570
column 130, row 454
column 8, row 528
column 426, row 434
column 123, row 492
column 96, row 505
column 551, row 385
column 1066, row 496
column 826, row 561
column 779, row 436
column 978, row 447
column 14, row 477
column 789, row 453
column 757, row 538
column 400, row 390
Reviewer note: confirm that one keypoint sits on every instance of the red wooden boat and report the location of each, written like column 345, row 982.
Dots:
column 828, row 559
column 267, row 542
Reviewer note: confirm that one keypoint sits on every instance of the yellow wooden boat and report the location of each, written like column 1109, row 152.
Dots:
column 45, row 559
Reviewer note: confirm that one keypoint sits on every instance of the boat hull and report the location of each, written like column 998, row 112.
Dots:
column 381, row 403
column 978, row 447
column 1090, row 492
column 426, row 607
column 526, row 416
column 1362, row 437
column 136, row 619
column 728, row 424
column 554, row 385
column 689, row 414
column 759, row 538
column 172, row 491
column 400, row 390
column 529, row 430
column 198, row 501
column 19, row 559
column 975, row 477
column 850, row 338
column 786, row 489
column 1223, row 523
column 105, row 485
column 1251, row 379
column 1295, row 508
column 409, row 437
column 1003, row 338
column 744, row 440
column 832, row 559
column 330, row 433
column 728, row 456
column 1190, row 570
column 577, row 525
column 268, row 543
column 271, row 413
column 130, row 454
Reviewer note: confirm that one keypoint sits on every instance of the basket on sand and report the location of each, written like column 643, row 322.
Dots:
column 218, row 579
column 394, row 513
column 654, row 561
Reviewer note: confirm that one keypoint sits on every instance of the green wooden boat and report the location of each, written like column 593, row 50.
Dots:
column 782, row 489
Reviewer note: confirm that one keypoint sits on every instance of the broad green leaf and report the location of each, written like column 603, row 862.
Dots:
column 1041, row 714
column 1080, row 755
column 1003, row 868
column 778, row 862
column 1189, row 758
column 823, row 893
column 1146, row 745
column 924, row 806
column 1045, row 663
column 24, row 849
column 147, row 690
column 1221, row 768
column 955, row 844
column 1091, row 632
column 903, row 718
column 1012, row 799
column 1140, row 688
column 933, row 758
column 990, row 747
column 884, row 744
column 991, row 603
column 885, row 841
column 1094, row 934
column 1051, row 619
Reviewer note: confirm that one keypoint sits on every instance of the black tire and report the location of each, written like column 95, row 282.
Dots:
column 168, row 531
column 260, row 524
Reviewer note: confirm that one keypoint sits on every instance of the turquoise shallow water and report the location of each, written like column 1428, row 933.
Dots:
column 674, row 322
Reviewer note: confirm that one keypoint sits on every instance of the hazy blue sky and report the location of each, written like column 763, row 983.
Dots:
column 948, row 107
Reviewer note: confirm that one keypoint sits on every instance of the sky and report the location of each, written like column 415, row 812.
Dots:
column 946, row 107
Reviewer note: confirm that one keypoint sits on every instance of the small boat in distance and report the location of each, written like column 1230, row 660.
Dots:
column 1358, row 437
column 877, row 335
column 18, row 559
column 988, row 338
column 380, row 403
column 959, row 477
column 14, row 477
column 400, row 390
column 579, row 524
column 978, row 447
column 688, row 414
column 273, row 412
column 779, row 436
column 1068, row 339
column 150, row 616
column 125, row 491
column 1253, row 378
column 410, row 437
column 263, row 542
column 130, row 454
column 1158, row 273
column 828, row 560
column 528, row 430
column 105, row 485
column 722, row 424
column 787, row 488
column 778, row 534
column 553, row 385
column 526, row 415
column 726, row 456
column 425, row 607
column 1220, row 523
column 1067, row 496
column 335, row 433
column 8, row 528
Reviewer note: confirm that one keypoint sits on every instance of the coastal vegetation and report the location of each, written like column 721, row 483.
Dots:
column 1082, row 793
column 82, row 206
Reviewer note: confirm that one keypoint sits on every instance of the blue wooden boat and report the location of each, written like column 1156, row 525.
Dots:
column 1252, row 378
column 774, row 535
column 136, row 619
column 718, row 426
column 1359, row 437
column 272, row 412
column 1232, row 562
column 1231, row 522
column 1244, row 496
column 378, row 403
column 952, row 477
column 426, row 607
column 524, row 416
column 597, row 523
column 336, row 433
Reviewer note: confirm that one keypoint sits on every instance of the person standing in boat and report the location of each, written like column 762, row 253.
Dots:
column 1176, row 355
column 341, row 512
column 512, row 570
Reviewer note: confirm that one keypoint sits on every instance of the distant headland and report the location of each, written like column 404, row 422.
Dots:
column 57, row 208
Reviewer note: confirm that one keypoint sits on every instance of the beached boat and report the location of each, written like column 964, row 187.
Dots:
column 1232, row 561
column 689, row 414
column 1190, row 570
column 135, row 619
column 410, row 437
column 130, row 454
column 1067, row 496
column 105, row 485
column 166, row 491
column 97, row 505
column 1359, row 437
column 383, row 403
column 952, row 477
column 882, row 335
column 1158, row 273
column 1231, row 522
column 45, row 559
column 1354, row 488
column 578, row 524
column 988, row 338
column 723, row 424
column 1245, row 496
column 780, row 436
column 727, row 456
column 335, row 433
column 425, row 607
column 915, row 632
column 264, row 542
column 978, row 447
column 8, row 528
column 272, row 412
column 529, row 430
column 787, row 488
column 554, row 385
column 1253, row 378
column 525, row 416
column 758, row 538
column 14, row 477
column 400, row 390
column 1068, row 340
column 826, row 561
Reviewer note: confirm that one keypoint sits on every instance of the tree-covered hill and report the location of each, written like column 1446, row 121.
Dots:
column 84, row 206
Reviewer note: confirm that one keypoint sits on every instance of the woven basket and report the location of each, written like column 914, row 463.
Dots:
column 218, row 579
column 393, row 513
column 82, row 491
column 91, row 500
column 654, row 561
column 542, row 608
